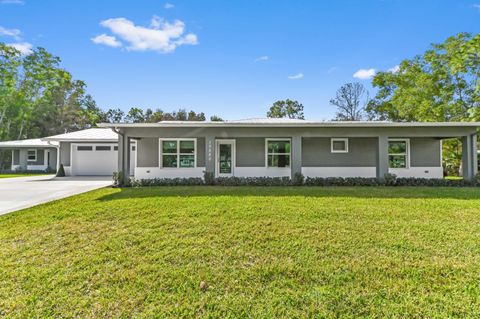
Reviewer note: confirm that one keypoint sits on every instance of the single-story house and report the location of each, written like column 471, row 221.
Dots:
column 32, row 154
column 284, row 147
column 86, row 152
column 251, row 148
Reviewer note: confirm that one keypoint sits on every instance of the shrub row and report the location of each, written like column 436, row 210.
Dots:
column 298, row 180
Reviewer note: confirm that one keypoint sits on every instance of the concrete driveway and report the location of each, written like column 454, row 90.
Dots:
column 23, row 192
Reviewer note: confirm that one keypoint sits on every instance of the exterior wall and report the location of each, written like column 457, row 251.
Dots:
column 313, row 153
column 425, row 159
column 16, row 157
column 20, row 161
column 250, row 152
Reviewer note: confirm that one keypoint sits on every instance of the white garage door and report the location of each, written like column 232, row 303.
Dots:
column 94, row 159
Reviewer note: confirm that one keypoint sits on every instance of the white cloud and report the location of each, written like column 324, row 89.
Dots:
column 395, row 69
column 12, row 2
column 296, row 76
column 262, row 58
column 14, row 33
column 107, row 40
column 168, row 6
column 161, row 36
column 365, row 74
column 476, row 6
column 25, row 48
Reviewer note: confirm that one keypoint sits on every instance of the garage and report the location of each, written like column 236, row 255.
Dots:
column 97, row 159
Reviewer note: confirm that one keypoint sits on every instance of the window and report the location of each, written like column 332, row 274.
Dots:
column 339, row 145
column 84, row 148
column 115, row 148
column 103, row 148
column 278, row 152
column 31, row 155
column 178, row 153
column 398, row 153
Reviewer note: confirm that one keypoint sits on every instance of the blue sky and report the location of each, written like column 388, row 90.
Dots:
column 230, row 58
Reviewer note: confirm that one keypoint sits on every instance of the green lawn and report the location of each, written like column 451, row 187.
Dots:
column 18, row 175
column 187, row 252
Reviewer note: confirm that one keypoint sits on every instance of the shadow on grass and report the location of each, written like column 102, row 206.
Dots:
column 465, row 193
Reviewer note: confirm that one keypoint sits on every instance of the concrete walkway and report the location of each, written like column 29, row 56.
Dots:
column 23, row 192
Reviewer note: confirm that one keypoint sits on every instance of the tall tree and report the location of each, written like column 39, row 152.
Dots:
column 215, row 118
column 114, row 115
column 443, row 84
column 135, row 115
column 286, row 109
column 350, row 100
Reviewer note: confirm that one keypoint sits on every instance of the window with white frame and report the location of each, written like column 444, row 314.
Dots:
column 339, row 145
column 178, row 153
column 278, row 152
column 31, row 155
column 398, row 153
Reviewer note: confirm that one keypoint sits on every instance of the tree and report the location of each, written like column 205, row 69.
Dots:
column 286, row 109
column 350, row 100
column 443, row 84
column 135, row 115
column 114, row 115
column 215, row 118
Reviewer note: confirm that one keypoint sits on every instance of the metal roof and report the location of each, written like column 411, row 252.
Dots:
column 35, row 142
column 274, row 122
column 88, row 135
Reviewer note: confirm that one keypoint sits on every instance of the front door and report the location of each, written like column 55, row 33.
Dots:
column 225, row 158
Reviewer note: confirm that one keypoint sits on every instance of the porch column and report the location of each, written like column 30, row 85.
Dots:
column 124, row 156
column 210, row 154
column 475, row 154
column 22, row 160
column 469, row 156
column 296, row 160
column 382, row 157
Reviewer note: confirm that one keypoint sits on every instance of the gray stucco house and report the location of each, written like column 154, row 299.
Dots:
column 280, row 147
column 32, row 155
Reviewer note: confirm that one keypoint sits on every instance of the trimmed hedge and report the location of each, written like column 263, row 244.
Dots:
column 298, row 180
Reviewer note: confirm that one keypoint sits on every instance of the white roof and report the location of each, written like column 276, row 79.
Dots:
column 282, row 122
column 35, row 142
column 90, row 135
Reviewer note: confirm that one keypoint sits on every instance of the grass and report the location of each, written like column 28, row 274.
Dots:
column 245, row 253
column 18, row 175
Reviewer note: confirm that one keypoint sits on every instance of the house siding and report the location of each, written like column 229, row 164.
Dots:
column 425, row 152
column 316, row 152
column 148, row 152
column 16, row 157
column 250, row 152
column 40, row 156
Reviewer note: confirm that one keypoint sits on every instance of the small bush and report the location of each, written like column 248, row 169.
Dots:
column 390, row 179
column 117, row 178
column 61, row 171
column 298, row 179
column 209, row 178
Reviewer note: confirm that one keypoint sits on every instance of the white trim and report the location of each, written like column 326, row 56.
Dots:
column 418, row 172
column 45, row 157
column 13, row 156
column 365, row 172
column 339, row 139
column 32, row 160
column 267, row 139
column 217, row 159
column 407, row 142
column 36, row 167
column 178, row 140
column 263, row 172
column 157, row 172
